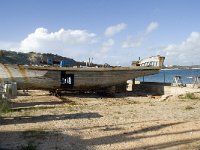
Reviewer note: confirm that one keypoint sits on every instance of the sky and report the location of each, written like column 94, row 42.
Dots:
column 109, row 31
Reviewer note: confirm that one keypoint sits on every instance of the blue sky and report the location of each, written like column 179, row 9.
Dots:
column 110, row 31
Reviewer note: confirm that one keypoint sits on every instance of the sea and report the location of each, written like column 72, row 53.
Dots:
column 166, row 76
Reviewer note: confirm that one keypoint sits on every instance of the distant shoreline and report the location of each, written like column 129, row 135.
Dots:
column 180, row 68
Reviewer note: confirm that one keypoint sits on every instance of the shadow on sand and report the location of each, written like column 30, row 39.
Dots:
column 44, row 118
column 59, row 140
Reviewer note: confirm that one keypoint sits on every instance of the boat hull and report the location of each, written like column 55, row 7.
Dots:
column 51, row 78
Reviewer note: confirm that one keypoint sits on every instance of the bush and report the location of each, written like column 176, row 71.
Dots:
column 190, row 96
column 4, row 107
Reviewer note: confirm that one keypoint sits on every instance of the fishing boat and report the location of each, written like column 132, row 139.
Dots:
column 69, row 78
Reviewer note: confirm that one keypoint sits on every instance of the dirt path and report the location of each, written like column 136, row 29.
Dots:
column 91, row 122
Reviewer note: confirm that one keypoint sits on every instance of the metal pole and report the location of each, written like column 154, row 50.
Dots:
column 164, row 77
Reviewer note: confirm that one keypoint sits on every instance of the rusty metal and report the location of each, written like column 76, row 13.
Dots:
column 23, row 72
column 1, row 80
column 10, row 76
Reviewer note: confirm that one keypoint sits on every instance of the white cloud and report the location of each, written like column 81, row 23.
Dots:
column 185, row 53
column 43, row 40
column 112, row 30
column 132, row 42
column 77, row 44
column 151, row 27
column 106, row 46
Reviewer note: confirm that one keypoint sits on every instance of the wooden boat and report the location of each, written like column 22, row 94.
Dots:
column 68, row 78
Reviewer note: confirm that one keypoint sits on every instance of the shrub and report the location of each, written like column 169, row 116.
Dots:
column 190, row 96
column 4, row 107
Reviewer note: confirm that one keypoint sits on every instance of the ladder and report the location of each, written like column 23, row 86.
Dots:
column 177, row 81
column 196, row 81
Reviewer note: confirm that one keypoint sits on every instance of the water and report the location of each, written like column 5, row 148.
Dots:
column 166, row 76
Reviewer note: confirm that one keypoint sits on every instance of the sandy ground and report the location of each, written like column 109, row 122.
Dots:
column 91, row 122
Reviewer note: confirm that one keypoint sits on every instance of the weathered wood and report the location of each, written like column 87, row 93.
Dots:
column 29, row 77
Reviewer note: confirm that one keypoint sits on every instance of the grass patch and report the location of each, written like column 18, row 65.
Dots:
column 4, row 107
column 189, row 96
